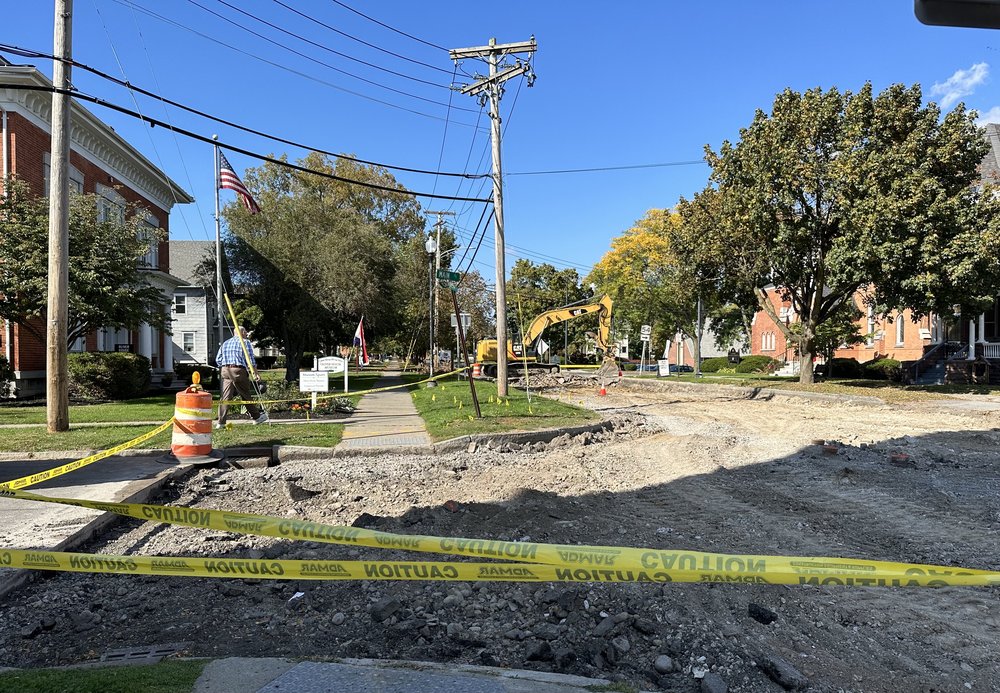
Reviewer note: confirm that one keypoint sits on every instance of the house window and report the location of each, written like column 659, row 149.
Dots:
column 180, row 304
column 870, row 333
column 110, row 205
column 767, row 341
column 150, row 237
column 188, row 340
column 77, row 345
column 900, row 330
column 75, row 176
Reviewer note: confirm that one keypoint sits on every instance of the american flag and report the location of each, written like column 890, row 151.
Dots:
column 228, row 180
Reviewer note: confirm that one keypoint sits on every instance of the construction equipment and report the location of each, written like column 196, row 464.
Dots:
column 523, row 355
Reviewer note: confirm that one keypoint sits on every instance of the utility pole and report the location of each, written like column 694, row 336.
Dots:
column 437, row 266
column 219, row 288
column 56, row 361
column 491, row 88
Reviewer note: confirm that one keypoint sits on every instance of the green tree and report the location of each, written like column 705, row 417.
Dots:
column 106, row 283
column 835, row 192
column 320, row 254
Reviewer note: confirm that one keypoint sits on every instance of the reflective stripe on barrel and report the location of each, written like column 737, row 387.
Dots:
column 192, row 436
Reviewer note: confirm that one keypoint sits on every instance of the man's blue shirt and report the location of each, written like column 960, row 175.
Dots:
column 231, row 354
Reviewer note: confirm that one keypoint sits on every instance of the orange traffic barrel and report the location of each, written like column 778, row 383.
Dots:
column 477, row 370
column 192, row 424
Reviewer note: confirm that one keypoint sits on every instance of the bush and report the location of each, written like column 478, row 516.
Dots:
column 282, row 390
column 884, row 369
column 6, row 379
column 756, row 364
column 103, row 376
column 578, row 358
column 842, row 368
column 713, row 365
column 209, row 375
column 630, row 366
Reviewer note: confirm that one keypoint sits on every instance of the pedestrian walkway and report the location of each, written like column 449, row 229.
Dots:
column 385, row 419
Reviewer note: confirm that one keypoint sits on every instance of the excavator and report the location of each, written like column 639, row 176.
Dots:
column 517, row 359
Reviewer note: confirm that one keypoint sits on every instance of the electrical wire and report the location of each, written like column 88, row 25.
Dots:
column 331, row 50
column 390, row 28
column 320, row 62
column 239, row 150
column 609, row 168
column 280, row 66
column 355, row 38
column 128, row 85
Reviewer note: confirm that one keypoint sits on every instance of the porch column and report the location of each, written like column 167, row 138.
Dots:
column 938, row 329
column 972, row 340
column 982, row 328
column 146, row 340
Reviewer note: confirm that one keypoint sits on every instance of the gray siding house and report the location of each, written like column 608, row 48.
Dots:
column 195, row 335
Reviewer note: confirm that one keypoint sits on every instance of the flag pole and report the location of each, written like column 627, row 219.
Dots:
column 218, row 248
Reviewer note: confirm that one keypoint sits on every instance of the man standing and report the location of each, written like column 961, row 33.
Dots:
column 232, row 362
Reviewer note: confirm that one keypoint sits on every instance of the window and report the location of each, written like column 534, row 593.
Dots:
column 75, row 176
column 188, row 340
column 149, row 235
column 180, row 304
column 77, row 345
column 900, row 330
column 110, row 204
column 767, row 341
column 870, row 333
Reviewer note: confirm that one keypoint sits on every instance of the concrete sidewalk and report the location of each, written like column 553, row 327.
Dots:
column 268, row 675
column 385, row 419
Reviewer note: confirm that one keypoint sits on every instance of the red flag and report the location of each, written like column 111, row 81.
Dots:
column 359, row 341
column 228, row 180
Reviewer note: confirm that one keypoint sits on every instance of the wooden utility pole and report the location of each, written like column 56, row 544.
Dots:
column 491, row 87
column 56, row 361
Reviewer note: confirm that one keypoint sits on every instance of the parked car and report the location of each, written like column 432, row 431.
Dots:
column 681, row 368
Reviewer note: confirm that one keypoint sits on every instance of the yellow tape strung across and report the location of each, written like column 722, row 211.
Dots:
column 585, row 563
column 38, row 478
column 348, row 394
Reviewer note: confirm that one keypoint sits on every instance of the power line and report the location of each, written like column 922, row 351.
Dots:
column 128, row 85
column 247, row 152
column 610, row 168
column 355, row 38
column 279, row 66
column 320, row 62
column 330, row 50
column 390, row 28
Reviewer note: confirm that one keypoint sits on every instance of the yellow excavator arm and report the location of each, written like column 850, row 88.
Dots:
column 557, row 315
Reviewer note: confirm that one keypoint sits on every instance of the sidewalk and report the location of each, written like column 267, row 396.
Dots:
column 385, row 419
column 269, row 675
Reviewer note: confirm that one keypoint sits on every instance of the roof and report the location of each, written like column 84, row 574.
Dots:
column 185, row 256
column 90, row 136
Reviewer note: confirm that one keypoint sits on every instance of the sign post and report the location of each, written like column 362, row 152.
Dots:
column 465, row 353
column 645, row 333
column 345, row 352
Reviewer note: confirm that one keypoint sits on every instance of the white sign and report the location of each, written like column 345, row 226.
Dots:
column 331, row 364
column 314, row 381
column 664, row 367
column 540, row 346
column 466, row 320
column 645, row 331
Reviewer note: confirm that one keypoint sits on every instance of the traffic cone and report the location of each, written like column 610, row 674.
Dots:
column 604, row 390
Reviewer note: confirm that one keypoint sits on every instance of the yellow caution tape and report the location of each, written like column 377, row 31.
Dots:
column 38, row 478
column 346, row 394
column 585, row 563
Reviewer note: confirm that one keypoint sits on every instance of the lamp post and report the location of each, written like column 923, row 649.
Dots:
column 431, row 247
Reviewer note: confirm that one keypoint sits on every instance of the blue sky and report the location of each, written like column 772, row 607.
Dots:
column 627, row 84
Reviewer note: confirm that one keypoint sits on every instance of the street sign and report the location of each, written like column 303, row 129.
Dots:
column 644, row 332
column 449, row 275
column 466, row 320
column 314, row 381
column 331, row 364
column 663, row 366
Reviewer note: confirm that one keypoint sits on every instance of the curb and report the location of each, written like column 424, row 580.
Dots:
column 289, row 453
column 757, row 393
column 20, row 577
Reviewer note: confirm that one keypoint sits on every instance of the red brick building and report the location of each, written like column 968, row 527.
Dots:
column 101, row 163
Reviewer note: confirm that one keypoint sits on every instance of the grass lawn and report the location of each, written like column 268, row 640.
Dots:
column 440, row 410
column 153, row 408
column 168, row 676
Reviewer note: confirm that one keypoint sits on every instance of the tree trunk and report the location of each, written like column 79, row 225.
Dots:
column 806, row 349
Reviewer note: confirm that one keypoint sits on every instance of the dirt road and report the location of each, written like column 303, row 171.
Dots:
column 706, row 471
